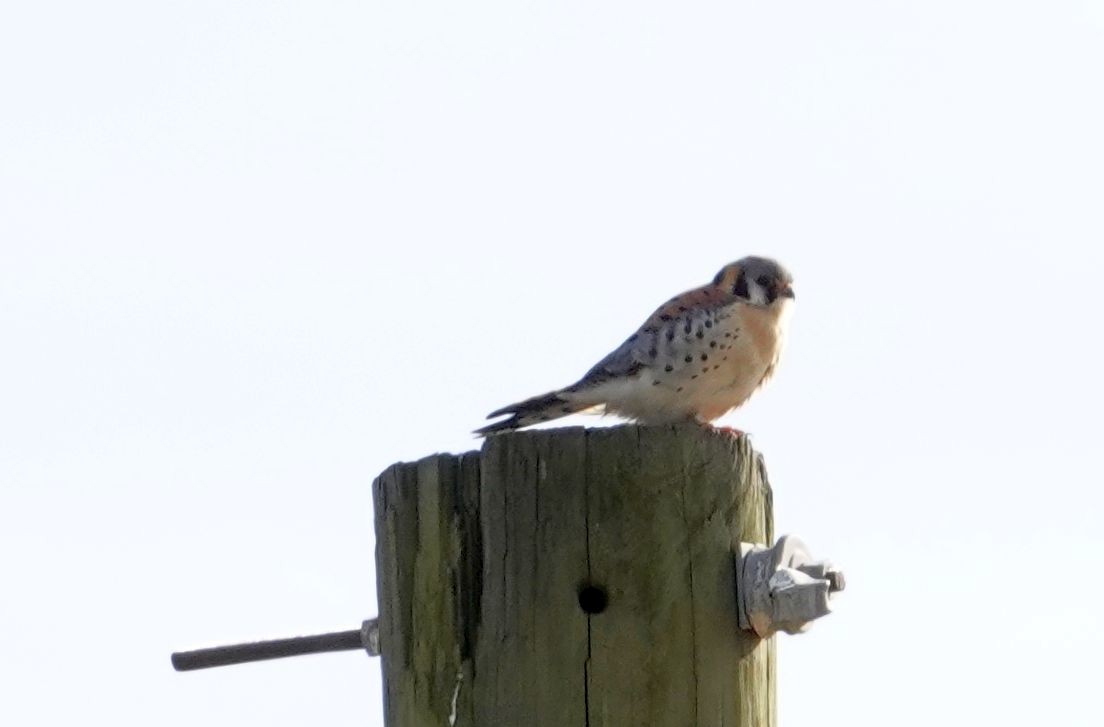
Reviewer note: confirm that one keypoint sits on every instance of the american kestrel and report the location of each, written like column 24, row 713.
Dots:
column 700, row 355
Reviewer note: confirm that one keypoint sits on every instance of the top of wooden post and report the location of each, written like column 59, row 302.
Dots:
column 573, row 577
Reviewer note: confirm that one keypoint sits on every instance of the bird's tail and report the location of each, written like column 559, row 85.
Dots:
column 543, row 408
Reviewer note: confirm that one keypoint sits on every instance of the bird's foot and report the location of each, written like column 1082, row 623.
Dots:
column 707, row 424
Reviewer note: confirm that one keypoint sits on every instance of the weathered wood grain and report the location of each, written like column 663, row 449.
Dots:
column 481, row 558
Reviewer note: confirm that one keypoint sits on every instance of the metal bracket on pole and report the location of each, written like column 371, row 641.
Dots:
column 366, row 637
column 782, row 588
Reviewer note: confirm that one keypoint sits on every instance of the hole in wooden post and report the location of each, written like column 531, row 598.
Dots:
column 593, row 599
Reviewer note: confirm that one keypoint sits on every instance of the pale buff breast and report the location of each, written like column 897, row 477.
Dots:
column 753, row 360
column 708, row 376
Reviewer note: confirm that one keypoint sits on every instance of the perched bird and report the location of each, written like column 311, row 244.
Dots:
column 700, row 354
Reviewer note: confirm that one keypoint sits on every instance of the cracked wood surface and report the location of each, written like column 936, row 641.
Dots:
column 480, row 558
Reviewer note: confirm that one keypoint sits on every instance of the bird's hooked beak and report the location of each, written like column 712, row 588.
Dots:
column 785, row 291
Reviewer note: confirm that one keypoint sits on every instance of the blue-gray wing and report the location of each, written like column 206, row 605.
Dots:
column 626, row 360
column 660, row 338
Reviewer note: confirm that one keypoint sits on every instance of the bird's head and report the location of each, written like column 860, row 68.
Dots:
column 757, row 280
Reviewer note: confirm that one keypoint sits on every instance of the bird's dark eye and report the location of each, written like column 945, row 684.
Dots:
column 764, row 281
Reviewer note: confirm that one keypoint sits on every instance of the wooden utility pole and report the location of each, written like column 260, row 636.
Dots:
column 573, row 578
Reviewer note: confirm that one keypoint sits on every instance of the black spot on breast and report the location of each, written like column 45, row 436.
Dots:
column 682, row 309
column 655, row 383
column 716, row 367
column 712, row 344
column 728, row 335
column 670, row 334
column 694, row 376
column 668, row 368
column 688, row 326
column 709, row 324
column 705, row 357
column 679, row 388
column 664, row 317
column 688, row 359
column 705, row 369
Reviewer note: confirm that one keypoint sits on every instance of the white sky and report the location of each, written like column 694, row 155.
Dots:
column 251, row 253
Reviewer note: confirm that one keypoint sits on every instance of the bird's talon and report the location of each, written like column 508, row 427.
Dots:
column 736, row 433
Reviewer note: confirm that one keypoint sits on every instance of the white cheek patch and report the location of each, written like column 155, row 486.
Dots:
column 757, row 294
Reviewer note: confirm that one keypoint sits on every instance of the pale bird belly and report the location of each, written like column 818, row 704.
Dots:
column 699, row 377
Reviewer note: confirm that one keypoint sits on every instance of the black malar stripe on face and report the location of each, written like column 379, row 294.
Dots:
column 740, row 289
